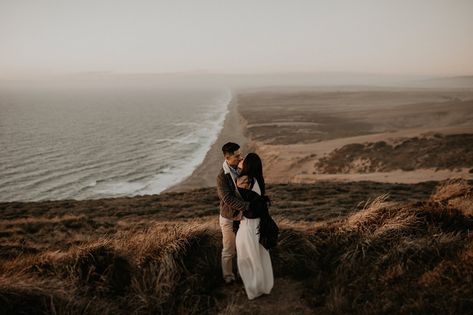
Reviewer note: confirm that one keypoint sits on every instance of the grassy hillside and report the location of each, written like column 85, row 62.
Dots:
column 438, row 151
column 346, row 250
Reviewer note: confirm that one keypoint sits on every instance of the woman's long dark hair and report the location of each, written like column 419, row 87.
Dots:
column 253, row 168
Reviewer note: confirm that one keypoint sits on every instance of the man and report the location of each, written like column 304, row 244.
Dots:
column 231, row 206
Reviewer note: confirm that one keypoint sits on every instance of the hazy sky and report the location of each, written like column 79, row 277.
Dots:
column 427, row 37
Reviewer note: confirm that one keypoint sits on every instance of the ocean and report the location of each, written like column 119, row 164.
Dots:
column 96, row 141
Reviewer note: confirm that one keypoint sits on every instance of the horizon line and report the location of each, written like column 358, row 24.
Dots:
column 98, row 74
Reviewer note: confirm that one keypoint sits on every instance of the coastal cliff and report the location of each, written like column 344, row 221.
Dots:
column 371, row 220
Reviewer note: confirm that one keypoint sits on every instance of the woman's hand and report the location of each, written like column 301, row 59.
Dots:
column 243, row 182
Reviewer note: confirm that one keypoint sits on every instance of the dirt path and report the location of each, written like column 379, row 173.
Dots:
column 285, row 298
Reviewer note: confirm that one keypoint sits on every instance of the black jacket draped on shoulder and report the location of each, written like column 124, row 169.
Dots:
column 258, row 204
column 267, row 229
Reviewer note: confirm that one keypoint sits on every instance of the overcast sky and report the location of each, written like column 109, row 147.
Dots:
column 426, row 37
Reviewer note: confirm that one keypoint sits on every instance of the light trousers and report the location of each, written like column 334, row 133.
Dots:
column 229, row 247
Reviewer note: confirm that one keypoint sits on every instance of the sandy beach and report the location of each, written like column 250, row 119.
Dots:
column 205, row 175
column 294, row 128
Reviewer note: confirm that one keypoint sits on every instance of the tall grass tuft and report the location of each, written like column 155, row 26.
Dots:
column 386, row 258
column 165, row 269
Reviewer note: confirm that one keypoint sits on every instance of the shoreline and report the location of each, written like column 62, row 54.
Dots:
column 293, row 162
column 205, row 174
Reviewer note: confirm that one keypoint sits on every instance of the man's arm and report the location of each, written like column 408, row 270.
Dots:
column 227, row 195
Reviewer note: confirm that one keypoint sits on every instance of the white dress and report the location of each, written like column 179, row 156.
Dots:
column 254, row 262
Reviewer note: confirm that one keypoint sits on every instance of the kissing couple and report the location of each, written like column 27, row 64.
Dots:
column 247, row 228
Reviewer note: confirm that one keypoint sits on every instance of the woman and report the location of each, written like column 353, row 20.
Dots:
column 254, row 262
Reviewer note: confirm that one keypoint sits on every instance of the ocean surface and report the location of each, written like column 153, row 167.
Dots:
column 89, row 142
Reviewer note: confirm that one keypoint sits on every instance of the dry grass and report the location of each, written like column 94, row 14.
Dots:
column 438, row 152
column 457, row 193
column 165, row 269
column 384, row 257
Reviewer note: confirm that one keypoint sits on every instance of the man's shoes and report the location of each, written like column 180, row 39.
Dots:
column 229, row 280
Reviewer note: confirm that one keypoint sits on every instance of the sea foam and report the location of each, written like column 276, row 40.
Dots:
column 180, row 167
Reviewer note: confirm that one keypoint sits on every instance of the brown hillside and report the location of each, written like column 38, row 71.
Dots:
column 439, row 152
column 389, row 256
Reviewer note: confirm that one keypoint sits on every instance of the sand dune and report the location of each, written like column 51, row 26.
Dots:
column 293, row 130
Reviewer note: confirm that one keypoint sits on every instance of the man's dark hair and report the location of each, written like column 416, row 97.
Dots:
column 229, row 148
